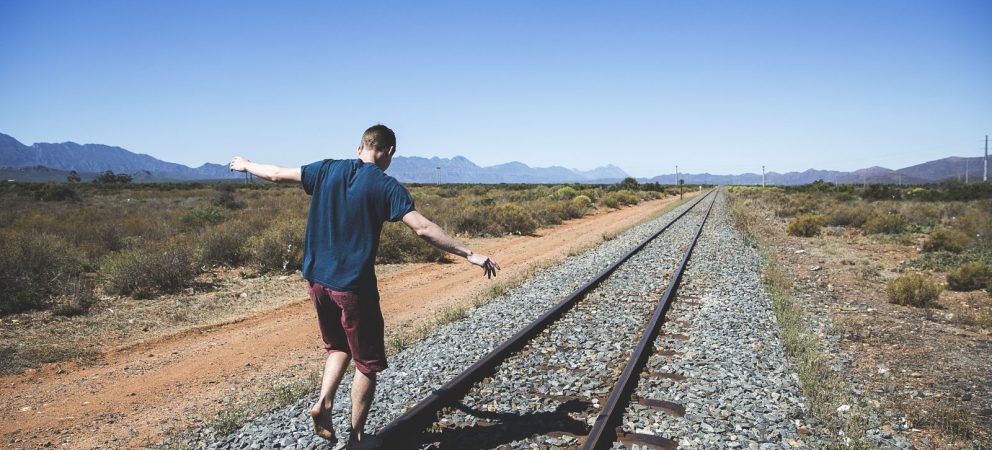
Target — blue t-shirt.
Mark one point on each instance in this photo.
(349, 201)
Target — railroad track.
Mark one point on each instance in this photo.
(561, 381)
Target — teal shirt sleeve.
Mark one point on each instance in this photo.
(310, 175)
(398, 199)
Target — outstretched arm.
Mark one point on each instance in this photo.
(266, 171)
(434, 235)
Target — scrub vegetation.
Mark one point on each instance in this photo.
(886, 310)
(64, 244)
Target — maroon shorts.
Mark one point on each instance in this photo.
(351, 323)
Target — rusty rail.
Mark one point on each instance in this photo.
(424, 413)
(603, 433)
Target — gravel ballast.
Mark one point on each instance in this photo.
(451, 348)
(738, 391)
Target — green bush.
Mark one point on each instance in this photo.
(912, 290)
(224, 244)
(581, 203)
(201, 217)
(399, 244)
(550, 213)
(513, 219)
(969, 277)
(280, 247)
(33, 266)
(885, 223)
(617, 199)
(849, 215)
(161, 267)
(946, 239)
(797, 205)
(566, 193)
(806, 225)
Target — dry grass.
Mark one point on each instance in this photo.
(145, 240)
(824, 388)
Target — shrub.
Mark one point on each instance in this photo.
(224, 244)
(109, 177)
(513, 219)
(912, 290)
(550, 213)
(845, 215)
(225, 198)
(969, 277)
(566, 193)
(806, 225)
(946, 239)
(581, 203)
(885, 223)
(618, 198)
(469, 220)
(32, 267)
(161, 267)
(201, 217)
(797, 205)
(398, 244)
(56, 193)
(280, 247)
(76, 299)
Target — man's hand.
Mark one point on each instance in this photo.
(488, 266)
(239, 164)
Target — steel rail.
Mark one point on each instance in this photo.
(424, 413)
(603, 434)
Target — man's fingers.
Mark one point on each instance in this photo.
(490, 268)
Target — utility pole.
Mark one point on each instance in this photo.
(438, 176)
(985, 173)
(762, 176)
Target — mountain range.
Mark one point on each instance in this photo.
(52, 162)
(35, 163)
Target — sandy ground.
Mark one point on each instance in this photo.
(132, 395)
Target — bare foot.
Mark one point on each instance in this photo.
(322, 424)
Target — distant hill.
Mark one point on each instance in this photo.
(51, 162)
(28, 163)
(415, 169)
(99, 158)
(928, 172)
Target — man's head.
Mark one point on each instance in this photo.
(377, 146)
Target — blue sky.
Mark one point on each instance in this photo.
(720, 87)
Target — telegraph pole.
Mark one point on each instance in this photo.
(762, 176)
(438, 176)
(678, 181)
(985, 173)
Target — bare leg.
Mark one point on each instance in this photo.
(362, 394)
(334, 369)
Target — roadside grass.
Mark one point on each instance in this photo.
(239, 411)
(276, 395)
(824, 389)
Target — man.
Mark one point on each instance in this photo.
(350, 200)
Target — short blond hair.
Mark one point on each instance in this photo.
(378, 137)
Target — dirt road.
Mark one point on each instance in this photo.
(131, 396)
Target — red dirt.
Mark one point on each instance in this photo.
(130, 396)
